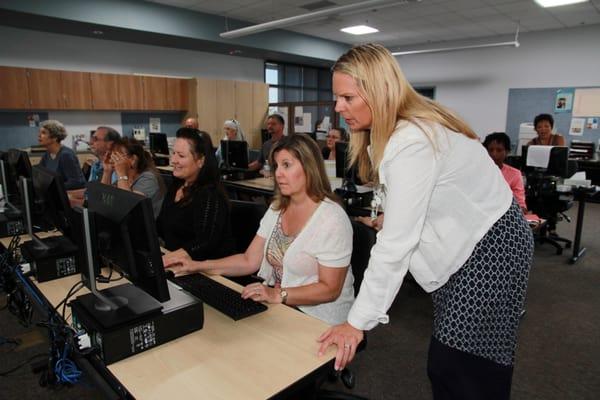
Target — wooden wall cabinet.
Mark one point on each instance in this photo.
(214, 101)
(131, 92)
(105, 91)
(14, 92)
(45, 90)
(42, 89)
(76, 89)
(155, 93)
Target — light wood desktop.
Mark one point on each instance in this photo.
(254, 358)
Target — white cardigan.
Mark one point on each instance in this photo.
(439, 204)
(326, 239)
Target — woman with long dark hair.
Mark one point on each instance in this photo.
(195, 215)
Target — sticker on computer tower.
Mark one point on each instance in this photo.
(65, 266)
(142, 337)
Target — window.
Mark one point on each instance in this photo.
(297, 83)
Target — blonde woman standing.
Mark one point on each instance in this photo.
(450, 220)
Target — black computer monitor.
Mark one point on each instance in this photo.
(343, 169)
(158, 143)
(234, 153)
(558, 163)
(15, 164)
(125, 236)
(51, 205)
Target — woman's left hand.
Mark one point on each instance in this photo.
(347, 338)
(260, 292)
(120, 163)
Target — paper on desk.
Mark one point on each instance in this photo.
(578, 175)
(538, 156)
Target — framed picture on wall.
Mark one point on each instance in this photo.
(563, 102)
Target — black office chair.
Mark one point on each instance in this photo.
(363, 239)
(544, 200)
(245, 219)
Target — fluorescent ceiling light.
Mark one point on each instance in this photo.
(556, 3)
(359, 30)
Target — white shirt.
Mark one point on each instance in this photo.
(326, 239)
(439, 204)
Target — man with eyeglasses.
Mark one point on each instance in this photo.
(102, 143)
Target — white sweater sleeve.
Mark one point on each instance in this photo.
(408, 171)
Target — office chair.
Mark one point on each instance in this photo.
(245, 219)
(543, 199)
(363, 239)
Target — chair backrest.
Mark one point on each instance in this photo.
(245, 219)
(363, 239)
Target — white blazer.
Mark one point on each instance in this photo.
(439, 203)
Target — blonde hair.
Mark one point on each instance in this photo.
(390, 98)
(305, 150)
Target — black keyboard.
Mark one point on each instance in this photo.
(219, 296)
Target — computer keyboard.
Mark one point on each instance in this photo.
(219, 296)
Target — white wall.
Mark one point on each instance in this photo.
(475, 83)
(26, 48)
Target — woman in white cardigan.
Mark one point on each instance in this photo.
(304, 243)
(450, 220)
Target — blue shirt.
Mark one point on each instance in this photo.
(66, 164)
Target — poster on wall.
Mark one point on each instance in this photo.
(592, 123)
(563, 101)
(577, 125)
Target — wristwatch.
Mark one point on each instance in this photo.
(283, 294)
(123, 178)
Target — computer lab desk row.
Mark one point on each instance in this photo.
(269, 355)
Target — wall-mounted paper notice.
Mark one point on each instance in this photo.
(577, 125)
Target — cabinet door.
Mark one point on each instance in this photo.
(105, 91)
(155, 93)
(206, 99)
(177, 94)
(243, 107)
(14, 93)
(225, 104)
(76, 89)
(45, 90)
(260, 107)
(131, 92)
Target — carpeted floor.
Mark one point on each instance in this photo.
(559, 342)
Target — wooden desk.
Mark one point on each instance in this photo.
(255, 358)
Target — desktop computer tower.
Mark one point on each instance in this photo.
(11, 225)
(58, 261)
(181, 315)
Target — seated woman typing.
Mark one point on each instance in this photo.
(304, 243)
(194, 218)
(498, 146)
(135, 170)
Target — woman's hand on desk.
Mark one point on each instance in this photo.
(347, 338)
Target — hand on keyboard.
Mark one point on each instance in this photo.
(259, 292)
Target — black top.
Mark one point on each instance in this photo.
(325, 151)
(66, 164)
(201, 227)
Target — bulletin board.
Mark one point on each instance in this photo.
(568, 105)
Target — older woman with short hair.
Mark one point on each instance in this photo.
(58, 158)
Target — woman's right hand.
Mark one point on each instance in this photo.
(107, 164)
(179, 262)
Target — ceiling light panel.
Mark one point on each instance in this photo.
(359, 30)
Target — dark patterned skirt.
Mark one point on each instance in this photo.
(478, 310)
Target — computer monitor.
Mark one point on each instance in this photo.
(125, 236)
(558, 163)
(343, 169)
(51, 205)
(15, 164)
(234, 153)
(159, 144)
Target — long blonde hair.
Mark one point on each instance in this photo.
(391, 98)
